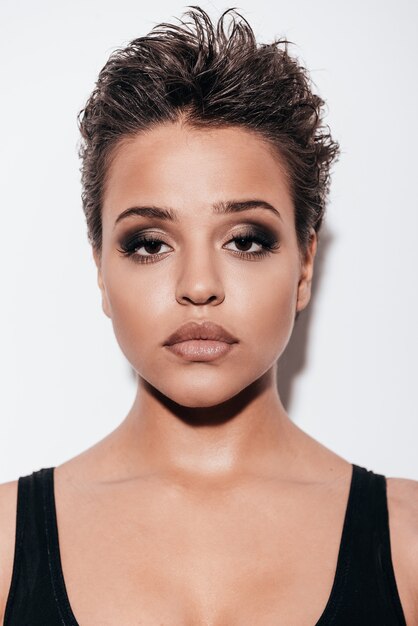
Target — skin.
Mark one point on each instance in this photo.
(207, 475)
(200, 276)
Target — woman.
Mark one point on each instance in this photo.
(205, 176)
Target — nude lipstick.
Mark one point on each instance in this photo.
(204, 341)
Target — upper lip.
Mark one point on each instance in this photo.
(203, 330)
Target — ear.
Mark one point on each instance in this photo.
(105, 302)
(307, 266)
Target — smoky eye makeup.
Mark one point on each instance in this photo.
(250, 241)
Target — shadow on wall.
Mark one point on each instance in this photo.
(294, 358)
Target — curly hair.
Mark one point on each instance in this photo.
(209, 75)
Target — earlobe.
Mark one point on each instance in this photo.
(105, 303)
(307, 266)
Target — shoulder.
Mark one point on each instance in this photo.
(402, 497)
(8, 504)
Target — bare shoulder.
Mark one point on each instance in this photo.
(8, 504)
(402, 496)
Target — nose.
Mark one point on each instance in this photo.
(199, 281)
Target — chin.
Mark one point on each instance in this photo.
(201, 391)
(203, 397)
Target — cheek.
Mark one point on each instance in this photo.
(270, 311)
(137, 304)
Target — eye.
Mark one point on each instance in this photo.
(263, 241)
(255, 241)
(151, 244)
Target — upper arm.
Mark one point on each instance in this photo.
(403, 525)
(8, 504)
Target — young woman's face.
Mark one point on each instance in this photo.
(240, 269)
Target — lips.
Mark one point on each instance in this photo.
(204, 330)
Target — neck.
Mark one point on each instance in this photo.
(250, 433)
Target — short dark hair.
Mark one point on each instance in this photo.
(209, 76)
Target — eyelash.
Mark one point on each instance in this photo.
(131, 244)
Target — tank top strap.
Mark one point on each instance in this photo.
(31, 600)
(367, 592)
(382, 548)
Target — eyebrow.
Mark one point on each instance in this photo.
(219, 208)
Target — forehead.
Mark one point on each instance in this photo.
(188, 169)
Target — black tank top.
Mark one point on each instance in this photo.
(364, 591)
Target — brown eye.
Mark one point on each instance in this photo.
(264, 241)
(151, 245)
(244, 242)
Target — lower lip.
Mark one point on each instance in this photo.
(200, 349)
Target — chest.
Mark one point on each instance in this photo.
(239, 558)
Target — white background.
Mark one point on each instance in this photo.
(349, 375)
